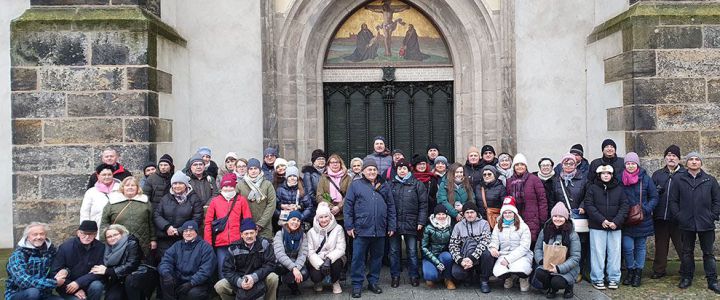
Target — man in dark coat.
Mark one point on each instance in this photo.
(411, 43)
(695, 203)
(268, 167)
(158, 184)
(583, 166)
(110, 157)
(78, 255)
(364, 46)
(186, 267)
(666, 227)
(609, 157)
(202, 183)
(251, 261)
(312, 173)
(488, 156)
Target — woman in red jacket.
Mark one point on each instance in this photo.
(218, 209)
(529, 194)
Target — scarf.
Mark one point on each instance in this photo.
(254, 194)
(114, 253)
(567, 177)
(180, 198)
(630, 178)
(438, 224)
(403, 179)
(544, 177)
(517, 186)
(291, 240)
(508, 223)
(423, 177)
(336, 178)
(105, 189)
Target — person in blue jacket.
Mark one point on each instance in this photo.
(77, 255)
(370, 216)
(28, 267)
(186, 267)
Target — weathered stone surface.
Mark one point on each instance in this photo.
(79, 131)
(82, 79)
(63, 186)
(50, 212)
(712, 166)
(65, 48)
(653, 144)
(108, 104)
(120, 48)
(153, 6)
(142, 78)
(164, 82)
(616, 119)
(676, 37)
(68, 2)
(664, 90)
(711, 37)
(23, 79)
(640, 117)
(688, 117)
(713, 90)
(710, 143)
(133, 156)
(26, 187)
(53, 159)
(148, 130)
(38, 105)
(688, 63)
(630, 64)
(26, 132)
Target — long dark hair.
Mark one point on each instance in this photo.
(550, 231)
(450, 184)
(517, 222)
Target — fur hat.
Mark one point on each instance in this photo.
(419, 158)
(179, 176)
(317, 153)
(604, 168)
(519, 159)
(560, 210)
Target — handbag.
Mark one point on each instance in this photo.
(635, 213)
(491, 213)
(553, 255)
(283, 218)
(580, 222)
(218, 225)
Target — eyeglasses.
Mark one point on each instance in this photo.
(198, 165)
(320, 158)
(242, 166)
(569, 164)
(87, 234)
(546, 165)
(488, 174)
(334, 162)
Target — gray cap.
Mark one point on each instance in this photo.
(693, 154)
(369, 162)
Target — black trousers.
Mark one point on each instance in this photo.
(169, 290)
(687, 257)
(549, 281)
(335, 269)
(136, 286)
(664, 232)
(287, 277)
(483, 269)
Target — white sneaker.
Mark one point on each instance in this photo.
(336, 288)
(318, 287)
(524, 284)
(509, 282)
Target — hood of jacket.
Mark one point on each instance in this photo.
(24, 244)
(117, 197)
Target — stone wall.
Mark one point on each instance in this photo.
(84, 78)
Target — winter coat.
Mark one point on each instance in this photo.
(531, 202)
(575, 191)
(605, 201)
(583, 167)
(324, 187)
(289, 195)
(570, 269)
(156, 186)
(268, 171)
(664, 183)
(259, 260)
(30, 267)
(370, 210)
(431, 186)
(311, 178)
(474, 173)
(649, 201)
(204, 187)
(549, 192)
(477, 232)
(262, 210)
(192, 262)
(695, 202)
(514, 246)
(382, 160)
(461, 196)
(94, 202)
(411, 205)
(436, 239)
(171, 213)
(218, 209)
(618, 164)
(119, 173)
(137, 217)
(78, 260)
(494, 194)
(129, 262)
(287, 260)
(334, 247)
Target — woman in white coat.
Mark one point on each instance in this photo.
(97, 196)
(510, 244)
(326, 249)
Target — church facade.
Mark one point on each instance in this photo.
(150, 77)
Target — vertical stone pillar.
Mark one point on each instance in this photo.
(83, 79)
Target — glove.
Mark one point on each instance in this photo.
(325, 268)
(184, 288)
(440, 267)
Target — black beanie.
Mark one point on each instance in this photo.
(402, 163)
(578, 149)
(608, 142)
(469, 206)
(433, 146)
(487, 148)
(440, 209)
(674, 149)
(166, 158)
(317, 153)
(418, 158)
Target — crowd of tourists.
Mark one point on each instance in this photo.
(244, 227)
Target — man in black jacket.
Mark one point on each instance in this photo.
(158, 184)
(666, 228)
(251, 261)
(695, 203)
(111, 157)
(78, 255)
(609, 157)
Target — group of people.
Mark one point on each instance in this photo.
(242, 228)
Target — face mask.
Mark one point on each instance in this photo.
(228, 195)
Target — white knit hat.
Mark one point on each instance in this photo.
(519, 159)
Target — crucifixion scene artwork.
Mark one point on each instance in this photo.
(387, 32)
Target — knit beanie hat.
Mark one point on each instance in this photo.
(253, 163)
(317, 153)
(166, 158)
(441, 159)
(608, 142)
(632, 157)
(440, 209)
(292, 170)
(474, 149)
(231, 155)
(487, 148)
(560, 210)
(190, 224)
(693, 154)
(491, 168)
(204, 151)
(504, 155)
(280, 162)
(519, 159)
(433, 146)
(398, 151)
(552, 163)
(674, 149)
(295, 214)
(247, 224)
(195, 158)
(323, 209)
(380, 137)
(577, 149)
(150, 164)
(568, 156)
(419, 158)
(180, 177)
(270, 151)
(369, 162)
(469, 206)
(402, 163)
(229, 179)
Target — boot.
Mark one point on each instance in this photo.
(629, 277)
(713, 286)
(395, 282)
(551, 293)
(636, 278)
(568, 294)
(449, 284)
(430, 284)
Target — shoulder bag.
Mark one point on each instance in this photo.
(635, 213)
(580, 222)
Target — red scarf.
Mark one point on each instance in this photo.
(630, 178)
(423, 177)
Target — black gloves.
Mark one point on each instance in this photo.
(325, 267)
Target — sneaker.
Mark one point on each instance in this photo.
(336, 288)
(599, 285)
(509, 282)
(318, 287)
(613, 285)
(524, 284)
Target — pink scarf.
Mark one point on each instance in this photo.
(630, 178)
(104, 188)
(336, 178)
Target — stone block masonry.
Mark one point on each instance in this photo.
(84, 78)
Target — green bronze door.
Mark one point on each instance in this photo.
(409, 114)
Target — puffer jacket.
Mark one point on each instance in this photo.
(219, 207)
(156, 186)
(171, 213)
(494, 194)
(649, 201)
(436, 239)
(129, 262)
(204, 187)
(289, 195)
(575, 191)
(431, 186)
(324, 187)
(570, 269)
(383, 161)
(664, 183)
(30, 267)
(262, 209)
(411, 204)
(94, 202)
(334, 247)
(514, 246)
(477, 232)
(260, 260)
(474, 173)
(370, 210)
(695, 202)
(288, 260)
(461, 196)
(531, 202)
(192, 262)
(605, 201)
(311, 178)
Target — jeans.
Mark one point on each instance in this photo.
(633, 249)
(605, 246)
(32, 294)
(362, 246)
(93, 292)
(221, 253)
(396, 254)
(430, 271)
(687, 259)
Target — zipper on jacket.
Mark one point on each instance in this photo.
(667, 198)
